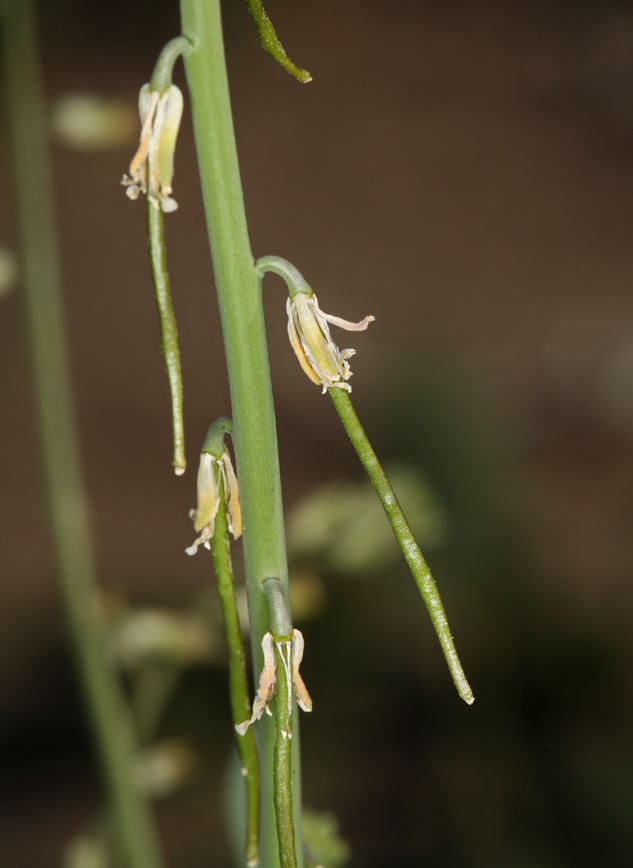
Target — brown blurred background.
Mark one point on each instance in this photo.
(463, 172)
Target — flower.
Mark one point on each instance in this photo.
(291, 653)
(152, 168)
(309, 335)
(209, 473)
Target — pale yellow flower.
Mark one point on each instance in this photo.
(152, 168)
(209, 473)
(309, 335)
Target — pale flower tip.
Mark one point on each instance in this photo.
(191, 550)
(252, 863)
(179, 471)
(168, 205)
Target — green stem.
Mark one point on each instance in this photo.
(295, 281)
(239, 297)
(284, 702)
(214, 440)
(282, 632)
(109, 715)
(238, 682)
(270, 41)
(406, 541)
(161, 77)
(280, 618)
(168, 329)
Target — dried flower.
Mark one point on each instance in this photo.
(209, 472)
(291, 652)
(309, 335)
(152, 169)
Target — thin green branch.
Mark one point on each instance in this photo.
(295, 281)
(284, 703)
(238, 681)
(406, 541)
(168, 329)
(214, 440)
(282, 633)
(163, 71)
(280, 618)
(109, 715)
(270, 41)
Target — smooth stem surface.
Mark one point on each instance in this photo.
(406, 541)
(214, 440)
(161, 77)
(282, 632)
(109, 716)
(168, 329)
(239, 297)
(238, 682)
(284, 714)
(295, 281)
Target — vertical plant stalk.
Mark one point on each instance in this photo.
(238, 682)
(406, 540)
(239, 297)
(283, 752)
(168, 329)
(108, 713)
(282, 632)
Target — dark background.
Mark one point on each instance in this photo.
(463, 172)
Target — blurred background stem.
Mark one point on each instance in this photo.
(239, 297)
(108, 713)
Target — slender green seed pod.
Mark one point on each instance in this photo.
(270, 41)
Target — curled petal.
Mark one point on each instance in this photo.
(301, 691)
(232, 495)
(267, 685)
(310, 338)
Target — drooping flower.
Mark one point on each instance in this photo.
(209, 473)
(310, 338)
(291, 653)
(152, 168)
